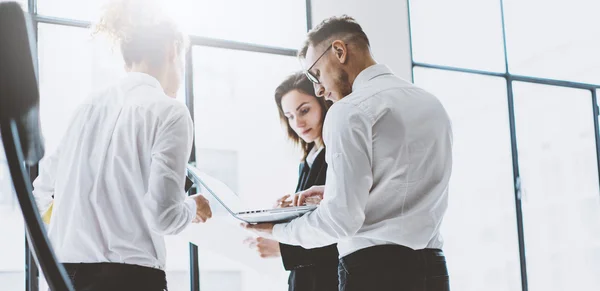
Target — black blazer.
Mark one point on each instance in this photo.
(295, 257)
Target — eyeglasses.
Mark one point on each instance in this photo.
(310, 75)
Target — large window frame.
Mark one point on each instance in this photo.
(510, 78)
(31, 270)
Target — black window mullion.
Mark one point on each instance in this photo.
(515, 157)
(189, 101)
(309, 22)
(410, 43)
(517, 182)
(31, 268)
(32, 272)
(596, 112)
(32, 6)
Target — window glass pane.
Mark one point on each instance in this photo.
(561, 205)
(240, 140)
(12, 228)
(72, 66)
(554, 39)
(479, 228)
(464, 33)
(178, 264)
(73, 9)
(267, 22)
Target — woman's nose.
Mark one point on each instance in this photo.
(299, 122)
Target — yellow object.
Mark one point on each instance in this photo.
(46, 216)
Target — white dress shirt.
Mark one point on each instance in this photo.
(118, 176)
(389, 156)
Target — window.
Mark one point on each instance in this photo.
(557, 153)
(526, 140)
(552, 40)
(240, 140)
(464, 33)
(73, 65)
(12, 244)
(265, 22)
(481, 208)
(178, 263)
(71, 9)
(235, 110)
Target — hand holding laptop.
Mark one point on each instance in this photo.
(231, 202)
(203, 211)
(311, 196)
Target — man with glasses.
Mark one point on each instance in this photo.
(389, 151)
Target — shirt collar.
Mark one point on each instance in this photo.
(134, 79)
(369, 74)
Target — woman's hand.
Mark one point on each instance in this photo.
(283, 202)
(266, 248)
(313, 194)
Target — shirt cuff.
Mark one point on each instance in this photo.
(190, 204)
(279, 233)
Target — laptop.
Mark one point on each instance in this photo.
(231, 202)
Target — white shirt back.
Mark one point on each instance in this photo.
(389, 156)
(118, 176)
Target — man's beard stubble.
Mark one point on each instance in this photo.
(343, 82)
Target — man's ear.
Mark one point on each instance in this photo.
(340, 50)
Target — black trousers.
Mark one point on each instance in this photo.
(314, 278)
(393, 267)
(115, 277)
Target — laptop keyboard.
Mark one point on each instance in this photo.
(254, 211)
(275, 210)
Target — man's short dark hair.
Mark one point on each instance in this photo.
(336, 26)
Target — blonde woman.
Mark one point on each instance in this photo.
(117, 179)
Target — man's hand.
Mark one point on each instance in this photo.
(261, 229)
(203, 212)
(266, 248)
(283, 202)
(313, 193)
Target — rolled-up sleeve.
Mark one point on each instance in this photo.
(348, 139)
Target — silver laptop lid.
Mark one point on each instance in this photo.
(217, 189)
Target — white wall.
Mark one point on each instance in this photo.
(384, 21)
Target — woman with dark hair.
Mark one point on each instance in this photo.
(303, 114)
